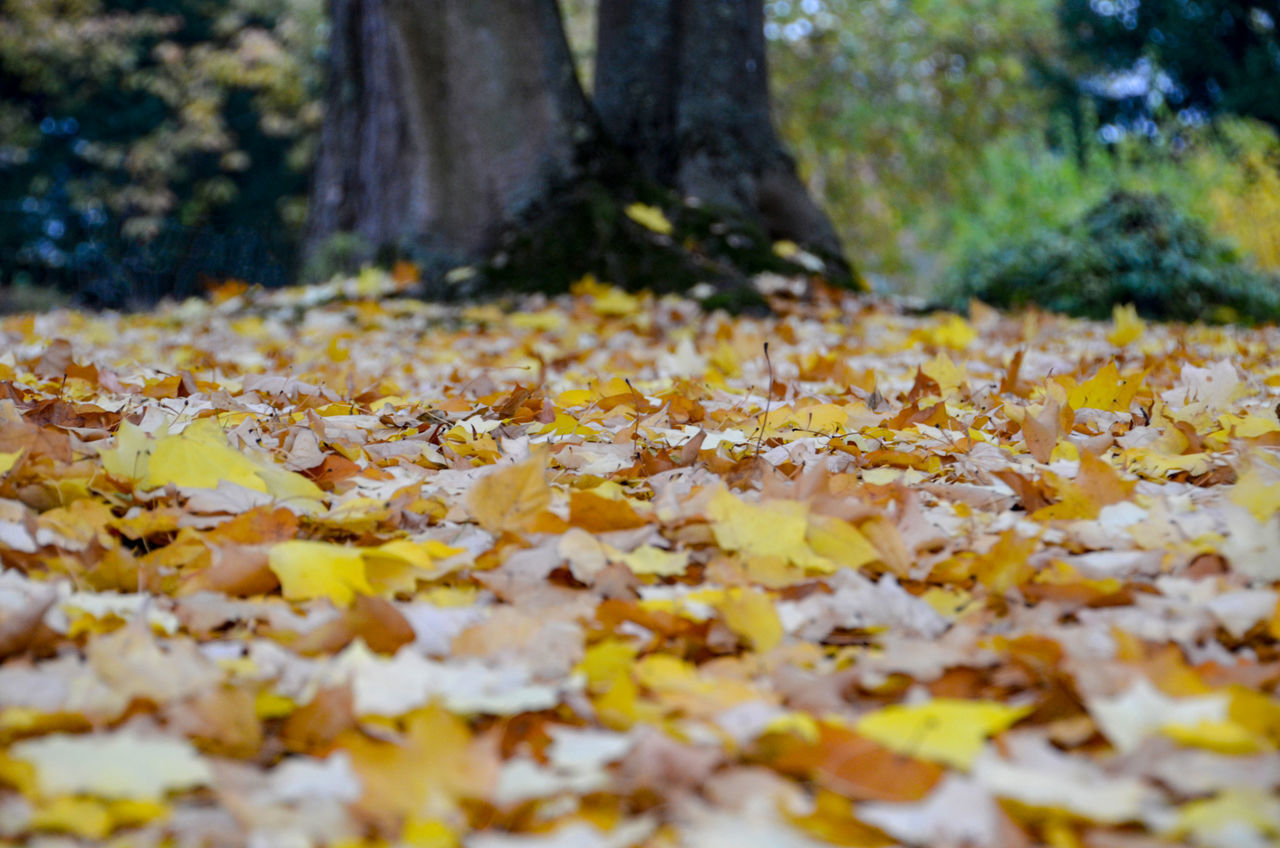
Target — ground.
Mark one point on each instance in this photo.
(332, 566)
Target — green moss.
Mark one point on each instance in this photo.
(1132, 248)
(585, 230)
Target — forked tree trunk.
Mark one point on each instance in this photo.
(457, 131)
(447, 119)
(682, 85)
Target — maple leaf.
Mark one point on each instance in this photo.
(424, 772)
(510, 498)
(309, 570)
(945, 730)
(122, 764)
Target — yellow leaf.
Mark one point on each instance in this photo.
(952, 331)
(751, 615)
(1225, 737)
(1256, 712)
(775, 529)
(429, 833)
(944, 730)
(84, 817)
(8, 460)
(949, 602)
(1106, 390)
(199, 457)
(647, 559)
(309, 570)
(801, 725)
(546, 320)
(614, 301)
(564, 425)
(817, 418)
(1128, 326)
(1159, 465)
(1249, 426)
(509, 499)
(1232, 812)
(1097, 484)
(606, 300)
(397, 566)
(291, 488)
(425, 773)
(839, 541)
(946, 373)
(128, 459)
(91, 818)
(606, 661)
(1257, 493)
(649, 217)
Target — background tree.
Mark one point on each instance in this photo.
(477, 140)
(1222, 56)
(444, 121)
(683, 88)
(144, 147)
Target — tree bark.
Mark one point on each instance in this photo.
(448, 119)
(682, 86)
(368, 179)
(457, 132)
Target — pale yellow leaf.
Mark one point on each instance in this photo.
(951, 731)
(510, 498)
(309, 570)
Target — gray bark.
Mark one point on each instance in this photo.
(368, 180)
(682, 86)
(447, 120)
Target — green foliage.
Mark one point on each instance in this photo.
(1130, 249)
(1222, 175)
(889, 106)
(144, 143)
(939, 130)
(1223, 55)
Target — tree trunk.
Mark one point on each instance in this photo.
(448, 119)
(682, 86)
(368, 180)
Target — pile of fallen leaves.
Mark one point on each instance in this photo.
(330, 567)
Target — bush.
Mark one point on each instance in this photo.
(1132, 248)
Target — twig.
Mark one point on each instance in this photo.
(768, 400)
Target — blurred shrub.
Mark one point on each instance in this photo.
(1244, 199)
(934, 131)
(1224, 175)
(1132, 248)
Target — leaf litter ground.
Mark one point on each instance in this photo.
(331, 567)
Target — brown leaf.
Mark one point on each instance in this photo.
(314, 727)
(221, 722)
(1041, 432)
(852, 765)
